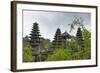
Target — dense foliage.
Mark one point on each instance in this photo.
(60, 54)
(27, 51)
(63, 47)
(45, 43)
(72, 51)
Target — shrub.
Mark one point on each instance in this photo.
(60, 54)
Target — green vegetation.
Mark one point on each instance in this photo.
(45, 43)
(63, 47)
(27, 53)
(60, 54)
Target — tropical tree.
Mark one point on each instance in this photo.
(72, 45)
(77, 22)
(79, 35)
(87, 44)
(27, 53)
(45, 43)
(60, 54)
(83, 39)
(26, 41)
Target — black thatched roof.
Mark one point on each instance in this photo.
(65, 35)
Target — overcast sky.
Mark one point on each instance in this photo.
(49, 21)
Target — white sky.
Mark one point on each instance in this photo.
(49, 21)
